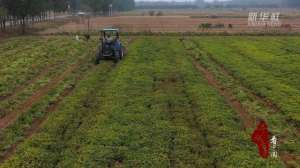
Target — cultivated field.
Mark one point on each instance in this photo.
(183, 21)
(172, 102)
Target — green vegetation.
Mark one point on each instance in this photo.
(263, 65)
(153, 109)
(46, 80)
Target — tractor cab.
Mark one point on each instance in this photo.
(110, 45)
(109, 35)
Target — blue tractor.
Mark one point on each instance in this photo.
(110, 47)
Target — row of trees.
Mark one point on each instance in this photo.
(103, 5)
(22, 12)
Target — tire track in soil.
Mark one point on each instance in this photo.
(158, 86)
(190, 120)
(194, 123)
(171, 151)
(87, 103)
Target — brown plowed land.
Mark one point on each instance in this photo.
(171, 24)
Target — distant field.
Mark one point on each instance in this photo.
(209, 12)
(183, 21)
(172, 102)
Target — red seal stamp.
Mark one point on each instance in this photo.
(260, 137)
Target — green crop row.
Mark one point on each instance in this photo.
(17, 131)
(196, 128)
(154, 109)
(60, 124)
(18, 44)
(19, 67)
(266, 83)
(56, 61)
(278, 126)
(279, 55)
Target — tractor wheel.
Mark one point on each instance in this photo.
(98, 57)
(121, 54)
(117, 57)
(124, 50)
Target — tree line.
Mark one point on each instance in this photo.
(102, 6)
(23, 12)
